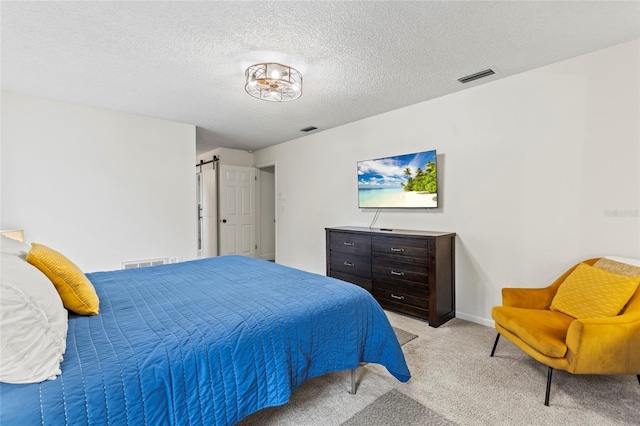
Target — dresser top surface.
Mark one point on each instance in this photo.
(387, 231)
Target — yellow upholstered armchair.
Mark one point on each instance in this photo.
(586, 322)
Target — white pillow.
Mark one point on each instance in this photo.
(33, 324)
(14, 247)
(627, 260)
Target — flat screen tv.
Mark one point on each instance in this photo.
(401, 181)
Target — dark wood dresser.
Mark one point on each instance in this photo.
(411, 272)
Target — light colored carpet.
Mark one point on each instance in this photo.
(396, 408)
(454, 376)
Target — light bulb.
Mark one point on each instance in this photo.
(275, 95)
(275, 74)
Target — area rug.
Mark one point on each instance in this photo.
(404, 336)
(396, 408)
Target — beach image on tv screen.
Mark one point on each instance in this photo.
(408, 180)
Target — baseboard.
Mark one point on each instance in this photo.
(477, 320)
(271, 256)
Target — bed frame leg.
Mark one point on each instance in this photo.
(352, 390)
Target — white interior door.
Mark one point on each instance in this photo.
(237, 213)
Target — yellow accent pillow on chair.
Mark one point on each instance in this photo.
(75, 289)
(590, 292)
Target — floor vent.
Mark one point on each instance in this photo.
(143, 263)
(472, 77)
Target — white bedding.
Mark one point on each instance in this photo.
(33, 322)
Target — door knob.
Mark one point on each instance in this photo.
(224, 220)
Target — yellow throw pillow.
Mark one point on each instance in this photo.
(75, 289)
(590, 292)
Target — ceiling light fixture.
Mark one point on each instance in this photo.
(273, 82)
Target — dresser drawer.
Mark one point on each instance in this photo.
(354, 279)
(411, 291)
(401, 247)
(398, 296)
(405, 308)
(345, 242)
(351, 264)
(387, 270)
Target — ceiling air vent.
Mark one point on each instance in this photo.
(481, 74)
(308, 129)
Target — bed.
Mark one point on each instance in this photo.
(208, 341)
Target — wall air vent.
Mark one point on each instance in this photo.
(308, 129)
(142, 263)
(472, 77)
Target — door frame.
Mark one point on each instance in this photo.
(259, 207)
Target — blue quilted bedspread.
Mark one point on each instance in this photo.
(204, 342)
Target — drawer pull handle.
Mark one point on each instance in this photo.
(399, 250)
(347, 243)
(400, 274)
(348, 263)
(393, 296)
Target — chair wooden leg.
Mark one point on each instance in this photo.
(496, 344)
(546, 398)
(638, 376)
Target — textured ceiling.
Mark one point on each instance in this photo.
(185, 61)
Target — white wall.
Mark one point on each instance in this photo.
(99, 186)
(234, 157)
(537, 172)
